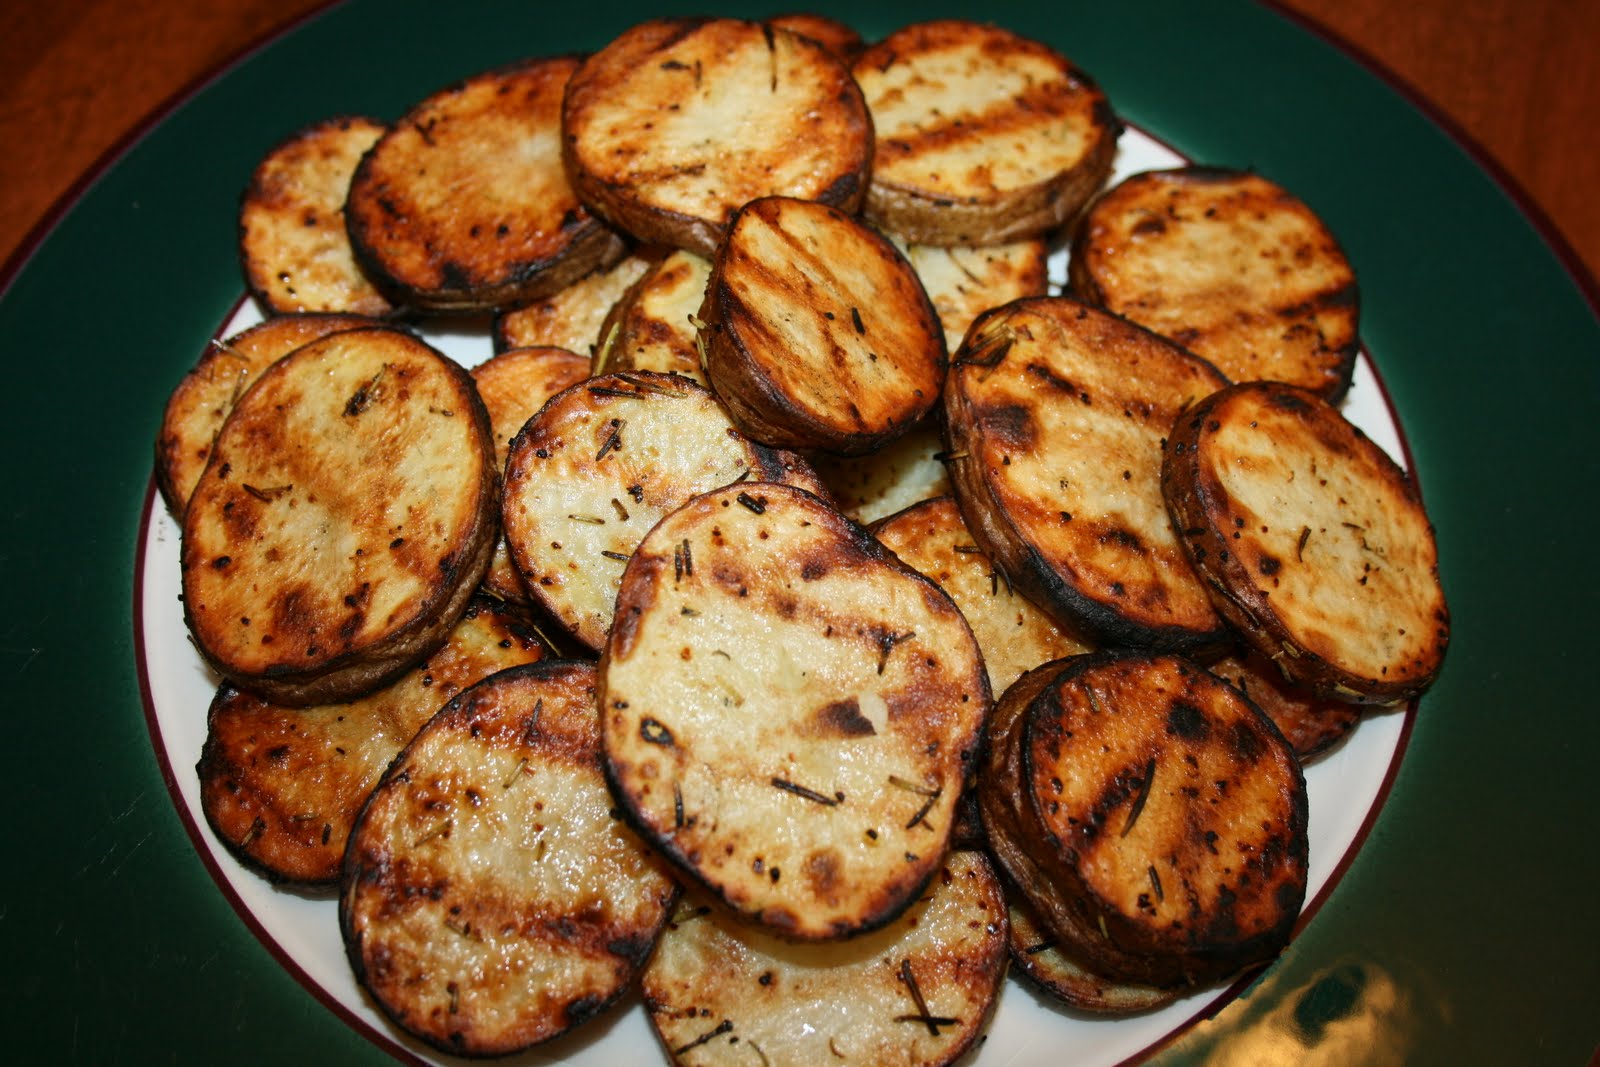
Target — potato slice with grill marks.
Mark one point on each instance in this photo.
(490, 898)
(292, 237)
(648, 118)
(1055, 413)
(817, 332)
(918, 992)
(344, 519)
(204, 398)
(789, 712)
(1039, 956)
(982, 136)
(572, 317)
(282, 786)
(594, 470)
(1014, 635)
(1231, 266)
(1154, 817)
(514, 385)
(464, 206)
(1312, 541)
(652, 326)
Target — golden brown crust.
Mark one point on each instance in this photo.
(1231, 266)
(1313, 543)
(464, 205)
(1055, 413)
(983, 136)
(572, 317)
(842, 40)
(648, 121)
(343, 521)
(292, 238)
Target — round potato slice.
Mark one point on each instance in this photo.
(490, 898)
(204, 398)
(464, 205)
(817, 332)
(344, 519)
(1151, 814)
(599, 464)
(282, 786)
(982, 136)
(1313, 542)
(1055, 413)
(572, 317)
(918, 992)
(789, 713)
(1231, 266)
(652, 326)
(292, 237)
(651, 119)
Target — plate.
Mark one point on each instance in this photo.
(1459, 932)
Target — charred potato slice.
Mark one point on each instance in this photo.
(647, 122)
(1312, 541)
(1039, 956)
(652, 326)
(343, 521)
(903, 472)
(599, 464)
(1153, 816)
(788, 712)
(514, 385)
(982, 136)
(490, 899)
(917, 992)
(204, 398)
(1231, 266)
(965, 282)
(281, 786)
(1311, 724)
(464, 205)
(817, 332)
(292, 237)
(1055, 413)
(1014, 635)
(572, 317)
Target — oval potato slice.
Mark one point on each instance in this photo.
(817, 332)
(788, 712)
(464, 205)
(918, 992)
(652, 326)
(982, 136)
(282, 786)
(1312, 541)
(572, 317)
(292, 237)
(649, 119)
(490, 898)
(1230, 265)
(1055, 413)
(344, 519)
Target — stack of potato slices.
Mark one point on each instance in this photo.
(750, 286)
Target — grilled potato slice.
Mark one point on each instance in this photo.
(982, 136)
(918, 992)
(1311, 724)
(572, 317)
(292, 238)
(652, 326)
(464, 206)
(514, 385)
(281, 786)
(817, 332)
(343, 521)
(1055, 413)
(1312, 541)
(843, 41)
(1231, 266)
(789, 713)
(965, 282)
(599, 464)
(490, 899)
(203, 399)
(649, 120)
(1151, 814)
(878, 484)
(1013, 634)
(1039, 957)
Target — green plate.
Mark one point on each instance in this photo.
(1461, 931)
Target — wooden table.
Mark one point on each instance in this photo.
(1516, 76)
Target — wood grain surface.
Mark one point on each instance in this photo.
(1517, 77)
